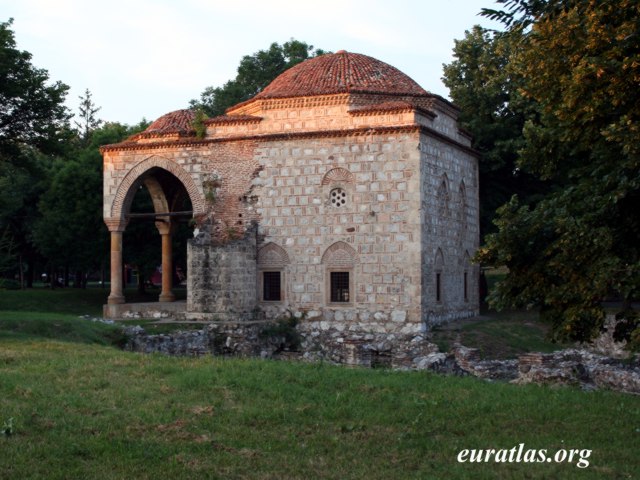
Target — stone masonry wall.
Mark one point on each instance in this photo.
(379, 222)
(222, 280)
(450, 229)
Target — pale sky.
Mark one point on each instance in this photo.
(145, 58)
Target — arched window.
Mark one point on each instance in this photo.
(463, 206)
(272, 260)
(339, 261)
(337, 185)
(443, 198)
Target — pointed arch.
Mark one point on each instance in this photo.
(340, 254)
(443, 196)
(126, 191)
(439, 259)
(272, 256)
(463, 205)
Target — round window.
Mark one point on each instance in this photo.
(338, 197)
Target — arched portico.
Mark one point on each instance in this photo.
(167, 184)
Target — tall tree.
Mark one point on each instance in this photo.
(87, 114)
(579, 61)
(493, 110)
(71, 211)
(254, 73)
(33, 126)
(31, 110)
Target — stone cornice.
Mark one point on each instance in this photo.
(291, 136)
(263, 137)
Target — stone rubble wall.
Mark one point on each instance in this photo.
(399, 351)
(222, 282)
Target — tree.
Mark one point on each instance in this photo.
(87, 114)
(578, 61)
(254, 73)
(33, 126)
(481, 83)
(70, 211)
(32, 113)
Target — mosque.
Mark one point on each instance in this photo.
(343, 192)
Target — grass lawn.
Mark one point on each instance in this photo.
(498, 335)
(83, 409)
(89, 411)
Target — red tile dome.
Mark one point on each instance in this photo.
(341, 72)
(179, 121)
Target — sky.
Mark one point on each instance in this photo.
(144, 58)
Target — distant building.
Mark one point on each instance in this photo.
(342, 190)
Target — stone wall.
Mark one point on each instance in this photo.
(379, 220)
(222, 280)
(450, 230)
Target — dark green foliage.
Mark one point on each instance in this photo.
(579, 63)
(9, 284)
(70, 209)
(31, 110)
(254, 73)
(494, 111)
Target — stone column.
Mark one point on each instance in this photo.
(164, 227)
(116, 228)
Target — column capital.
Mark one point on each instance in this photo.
(116, 224)
(164, 226)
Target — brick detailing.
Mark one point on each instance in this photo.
(337, 175)
(125, 192)
(227, 119)
(340, 255)
(272, 256)
(115, 224)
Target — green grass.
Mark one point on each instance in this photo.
(83, 409)
(92, 412)
(59, 326)
(498, 335)
(73, 301)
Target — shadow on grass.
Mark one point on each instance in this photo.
(498, 335)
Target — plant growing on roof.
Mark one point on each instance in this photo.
(198, 123)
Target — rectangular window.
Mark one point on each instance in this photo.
(438, 287)
(466, 286)
(339, 286)
(271, 287)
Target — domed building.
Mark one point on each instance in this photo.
(343, 192)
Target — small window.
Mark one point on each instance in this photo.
(438, 287)
(338, 197)
(339, 287)
(271, 286)
(466, 286)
